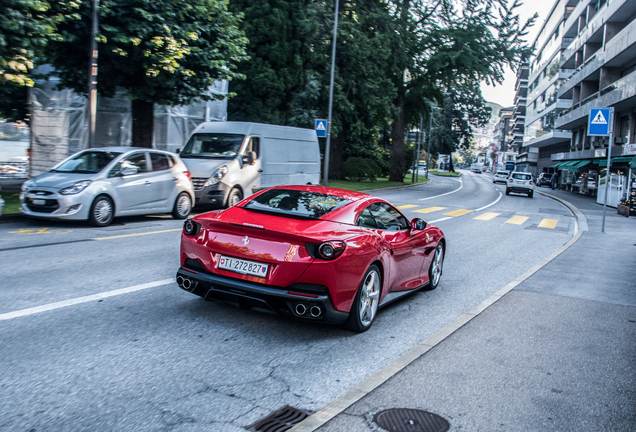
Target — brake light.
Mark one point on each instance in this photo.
(187, 173)
(331, 249)
(531, 182)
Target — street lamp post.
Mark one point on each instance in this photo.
(325, 180)
(430, 126)
(92, 79)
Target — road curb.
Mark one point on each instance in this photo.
(13, 217)
(338, 406)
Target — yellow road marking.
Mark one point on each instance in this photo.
(517, 220)
(548, 223)
(138, 234)
(25, 231)
(487, 216)
(429, 209)
(405, 206)
(458, 213)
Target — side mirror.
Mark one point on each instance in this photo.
(249, 158)
(129, 171)
(418, 224)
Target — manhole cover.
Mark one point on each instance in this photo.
(279, 421)
(410, 420)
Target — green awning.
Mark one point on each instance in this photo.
(556, 165)
(583, 163)
(569, 164)
(632, 164)
(619, 159)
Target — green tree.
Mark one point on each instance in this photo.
(281, 34)
(440, 45)
(362, 90)
(462, 110)
(158, 51)
(26, 26)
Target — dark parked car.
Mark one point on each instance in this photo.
(544, 179)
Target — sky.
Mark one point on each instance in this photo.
(504, 94)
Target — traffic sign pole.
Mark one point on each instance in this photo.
(325, 181)
(609, 165)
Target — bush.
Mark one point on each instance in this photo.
(359, 169)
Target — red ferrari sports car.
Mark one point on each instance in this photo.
(310, 252)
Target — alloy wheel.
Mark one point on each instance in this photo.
(184, 205)
(436, 266)
(103, 211)
(369, 298)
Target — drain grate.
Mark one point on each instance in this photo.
(410, 420)
(280, 420)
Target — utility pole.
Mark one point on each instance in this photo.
(325, 181)
(92, 78)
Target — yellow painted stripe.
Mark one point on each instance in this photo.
(405, 206)
(548, 223)
(517, 220)
(458, 213)
(487, 216)
(138, 234)
(429, 209)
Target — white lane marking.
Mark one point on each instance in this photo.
(442, 219)
(491, 204)
(461, 185)
(79, 300)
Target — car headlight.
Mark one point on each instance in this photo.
(26, 186)
(76, 188)
(217, 176)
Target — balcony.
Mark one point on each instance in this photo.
(549, 138)
(616, 95)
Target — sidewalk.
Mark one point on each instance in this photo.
(557, 352)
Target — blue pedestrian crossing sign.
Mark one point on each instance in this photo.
(599, 122)
(321, 128)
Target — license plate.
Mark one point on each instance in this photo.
(39, 202)
(519, 181)
(243, 266)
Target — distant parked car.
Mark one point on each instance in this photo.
(520, 182)
(500, 177)
(544, 179)
(100, 184)
(476, 170)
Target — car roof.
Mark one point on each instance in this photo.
(123, 149)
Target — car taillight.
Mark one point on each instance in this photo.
(187, 173)
(191, 228)
(331, 249)
(531, 182)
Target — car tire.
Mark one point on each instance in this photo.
(102, 212)
(435, 270)
(530, 194)
(365, 305)
(234, 197)
(182, 206)
(507, 191)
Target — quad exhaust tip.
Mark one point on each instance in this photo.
(301, 309)
(315, 311)
(185, 283)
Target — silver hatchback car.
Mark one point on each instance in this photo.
(102, 183)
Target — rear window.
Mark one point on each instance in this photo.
(504, 173)
(521, 176)
(296, 203)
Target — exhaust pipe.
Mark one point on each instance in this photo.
(180, 281)
(301, 309)
(187, 283)
(315, 311)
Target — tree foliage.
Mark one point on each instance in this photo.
(158, 51)
(446, 43)
(26, 26)
(282, 35)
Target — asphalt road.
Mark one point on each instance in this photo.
(95, 335)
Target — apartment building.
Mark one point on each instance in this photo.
(601, 62)
(584, 58)
(526, 157)
(541, 136)
(504, 158)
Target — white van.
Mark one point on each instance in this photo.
(232, 160)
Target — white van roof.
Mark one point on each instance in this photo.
(265, 130)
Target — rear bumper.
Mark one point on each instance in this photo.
(279, 300)
(519, 189)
